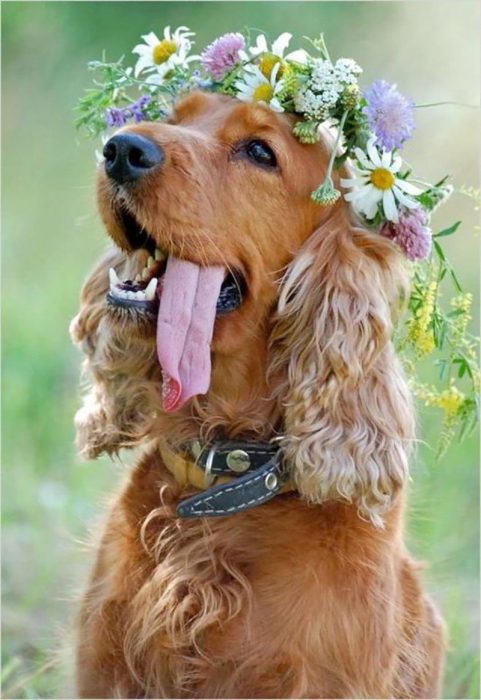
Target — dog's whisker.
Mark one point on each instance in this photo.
(201, 249)
(223, 258)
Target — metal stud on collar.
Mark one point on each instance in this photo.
(238, 461)
(271, 482)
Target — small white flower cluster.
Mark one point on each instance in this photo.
(325, 85)
(347, 71)
(313, 106)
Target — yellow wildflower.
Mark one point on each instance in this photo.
(424, 342)
(462, 303)
(420, 335)
(450, 400)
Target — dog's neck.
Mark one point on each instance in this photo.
(240, 384)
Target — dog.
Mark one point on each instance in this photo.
(311, 593)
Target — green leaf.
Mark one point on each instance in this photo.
(426, 200)
(442, 181)
(442, 256)
(455, 313)
(443, 365)
(442, 336)
(439, 251)
(340, 160)
(448, 231)
(454, 277)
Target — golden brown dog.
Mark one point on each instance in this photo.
(312, 594)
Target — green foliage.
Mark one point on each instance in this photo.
(429, 327)
(113, 89)
(433, 329)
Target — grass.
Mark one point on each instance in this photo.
(52, 236)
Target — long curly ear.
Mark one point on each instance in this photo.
(120, 370)
(348, 415)
(84, 327)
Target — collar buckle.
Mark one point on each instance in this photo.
(209, 477)
(196, 450)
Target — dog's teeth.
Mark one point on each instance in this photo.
(150, 289)
(114, 280)
(130, 295)
(150, 261)
(158, 254)
(145, 274)
(138, 278)
(140, 295)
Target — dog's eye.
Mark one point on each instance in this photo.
(261, 153)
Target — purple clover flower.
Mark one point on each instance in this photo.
(115, 116)
(222, 55)
(411, 233)
(390, 115)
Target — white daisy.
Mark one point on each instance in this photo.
(269, 57)
(255, 87)
(376, 182)
(161, 56)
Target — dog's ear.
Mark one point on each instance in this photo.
(348, 414)
(120, 370)
(84, 327)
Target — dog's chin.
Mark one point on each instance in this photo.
(136, 298)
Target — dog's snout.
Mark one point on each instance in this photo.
(129, 157)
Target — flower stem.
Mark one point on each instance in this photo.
(448, 102)
(334, 150)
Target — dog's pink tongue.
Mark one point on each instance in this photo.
(185, 326)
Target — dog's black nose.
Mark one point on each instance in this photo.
(129, 157)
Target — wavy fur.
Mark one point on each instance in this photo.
(314, 593)
(348, 413)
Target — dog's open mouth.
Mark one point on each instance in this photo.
(142, 293)
(186, 298)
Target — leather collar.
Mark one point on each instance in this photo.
(233, 475)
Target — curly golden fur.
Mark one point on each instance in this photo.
(312, 594)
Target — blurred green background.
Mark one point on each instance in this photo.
(52, 236)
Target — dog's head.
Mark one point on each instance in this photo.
(221, 184)
(220, 247)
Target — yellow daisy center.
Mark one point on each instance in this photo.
(264, 93)
(163, 51)
(267, 63)
(382, 178)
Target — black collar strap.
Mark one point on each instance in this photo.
(251, 474)
(231, 458)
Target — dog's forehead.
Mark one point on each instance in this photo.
(224, 115)
(201, 106)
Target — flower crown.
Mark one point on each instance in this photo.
(372, 125)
